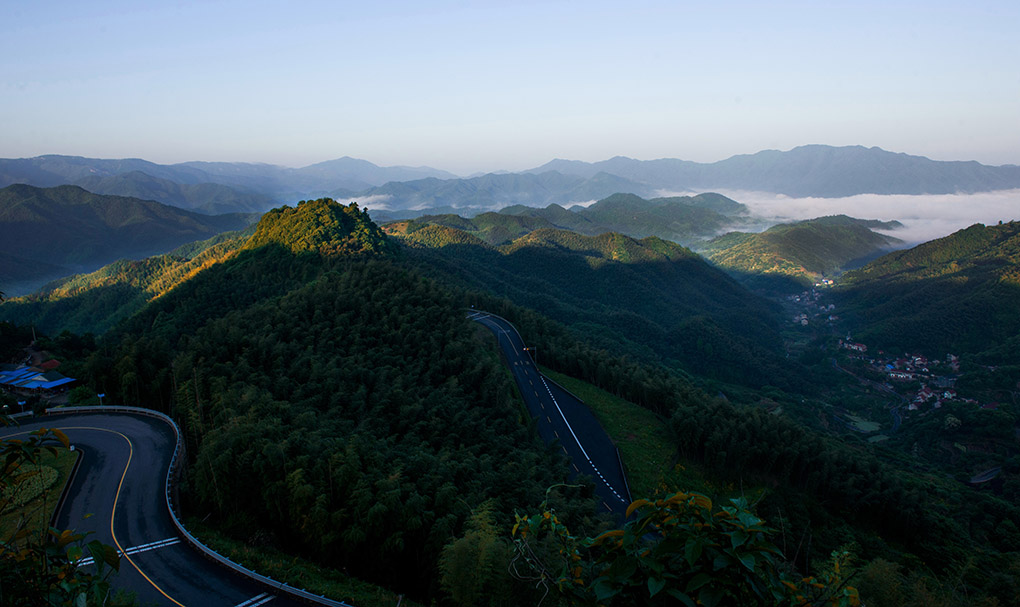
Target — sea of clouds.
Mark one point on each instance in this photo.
(925, 217)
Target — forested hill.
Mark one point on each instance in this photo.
(802, 251)
(651, 298)
(681, 219)
(97, 301)
(72, 228)
(958, 294)
(492, 228)
(336, 403)
(320, 226)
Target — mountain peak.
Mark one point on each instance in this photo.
(322, 226)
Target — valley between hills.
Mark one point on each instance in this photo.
(806, 412)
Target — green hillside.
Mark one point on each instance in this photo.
(558, 217)
(320, 226)
(69, 227)
(680, 219)
(492, 228)
(958, 294)
(337, 405)
(97, 301)
(804, 251)
(336, 401)
(650, 297)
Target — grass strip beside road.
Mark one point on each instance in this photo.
(295, 571)
(36, 514)
(642, 438)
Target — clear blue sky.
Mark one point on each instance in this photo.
(478, 86)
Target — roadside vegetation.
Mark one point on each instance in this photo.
(641, 436)
(294, 570)
(37, 562)
(30, 501)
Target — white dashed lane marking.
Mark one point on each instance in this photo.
(135, 550)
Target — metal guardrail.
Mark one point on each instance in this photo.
(171, 482)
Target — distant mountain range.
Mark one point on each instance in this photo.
(812, 170)
(401, 192)
(492, 191)
(46, 233)
(211, 187)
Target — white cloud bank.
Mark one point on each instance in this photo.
(924, 217)
(378, 202)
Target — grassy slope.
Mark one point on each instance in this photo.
(647, 450)
(641, 436)
(40, 510)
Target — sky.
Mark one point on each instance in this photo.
(484, 86)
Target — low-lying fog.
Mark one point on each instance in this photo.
(924, 217)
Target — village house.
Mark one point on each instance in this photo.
(856, 347)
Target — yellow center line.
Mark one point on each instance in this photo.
(116, 498)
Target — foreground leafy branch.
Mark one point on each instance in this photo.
(39, 567)
(677, 550)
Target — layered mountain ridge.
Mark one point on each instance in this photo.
(814, 170)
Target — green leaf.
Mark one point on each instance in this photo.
(623, 568)
(103, 553)
(692, 552)
(698, 581)
(655, 585)
(710, 597)
(680, 596)
(737, 538)
(747, 560)
(748, 520)
(604, 590)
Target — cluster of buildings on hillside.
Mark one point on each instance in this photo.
(808, 300)
(937, 378)
(42, 379)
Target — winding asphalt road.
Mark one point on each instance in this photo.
(562, 417)
(118, 494)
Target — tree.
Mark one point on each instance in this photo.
(677, 550)
(474, 566)
(40, 568)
